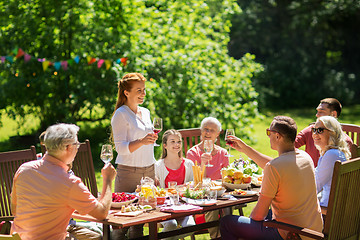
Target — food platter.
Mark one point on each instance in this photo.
(236, 186)
(199, 202)
(120, 204)
(247, 193)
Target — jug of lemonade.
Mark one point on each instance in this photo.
(147, 195)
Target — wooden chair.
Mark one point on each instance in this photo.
(191, 137)
(343, 213)
(9, 163)
(83, 166)
(14, 236)
(353, 131)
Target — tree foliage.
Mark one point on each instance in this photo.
(309, 49)
(180, 45)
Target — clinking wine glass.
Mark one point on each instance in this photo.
(229, 132)
(157, 127)
(208, 147)
(106, 153)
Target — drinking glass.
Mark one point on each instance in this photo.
(229, 132)
(174, 195)
(208, 147)
(212, 195)
(106, 153)
(157, 127)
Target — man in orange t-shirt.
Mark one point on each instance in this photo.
(288, 186)
(44, 195)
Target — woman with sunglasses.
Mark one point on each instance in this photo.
(330, 140)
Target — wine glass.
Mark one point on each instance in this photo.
(106, 153)
(208, 147)
(229, 132)
(157, 127)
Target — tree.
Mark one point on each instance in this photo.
(309, 50)
(181, 45)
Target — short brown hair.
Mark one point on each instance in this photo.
(286, 126)
(334, 105)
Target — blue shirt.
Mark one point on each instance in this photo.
(324, 172)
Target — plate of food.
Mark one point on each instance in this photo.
(219, 190)
(199, 202)
(256, 180)
(233, 186)
(243, 193)
(120, 199)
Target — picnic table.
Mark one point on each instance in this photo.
(155, 216)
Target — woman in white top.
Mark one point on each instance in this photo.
(331, 142)
(133, 136)
(173, 167)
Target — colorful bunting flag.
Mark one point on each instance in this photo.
(45, 65)
(100, 63)
(18, 53)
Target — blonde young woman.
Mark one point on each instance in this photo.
(134, 140)
(331, 142)
(174, 167)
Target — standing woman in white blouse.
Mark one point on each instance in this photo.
(133, 136)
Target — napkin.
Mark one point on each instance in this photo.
(180, 208)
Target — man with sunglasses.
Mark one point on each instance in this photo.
(44, 195)
(327, 107)
(288, 186)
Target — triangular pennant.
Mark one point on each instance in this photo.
(15, 51)
(20, 53)
(64, 65)
(107, 64)
(71, 62)
(57, 65)
(77, 59)
(100, 63)
(92, 60)
(124, 61)
(41, 59)
(45, 65)
(118, 61)
(10, 59)
(27, 57)
(2, 59)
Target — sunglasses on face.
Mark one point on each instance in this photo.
(268, 131)
(319, 130)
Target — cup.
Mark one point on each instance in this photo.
(172, 185)
(174, 199)
(212, 195)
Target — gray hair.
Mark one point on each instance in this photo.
(337, 138)
(210, 120)
(60, 135)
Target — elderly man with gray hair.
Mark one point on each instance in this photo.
(44, 195)
(210, 130)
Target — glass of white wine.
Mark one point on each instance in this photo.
(208, 147)
(106, 153)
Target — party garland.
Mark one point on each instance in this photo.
(18, 52)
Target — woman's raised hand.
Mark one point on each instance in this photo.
(150, 138)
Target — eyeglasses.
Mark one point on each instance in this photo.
(77, 144)
(319, 130)
(268, 131)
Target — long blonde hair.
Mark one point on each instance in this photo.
(165, 137)
(337, 138)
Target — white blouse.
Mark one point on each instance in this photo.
(127, 127)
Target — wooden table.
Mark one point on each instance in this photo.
(155, 216)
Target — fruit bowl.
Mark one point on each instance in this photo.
(122, 199)
(236, 186)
